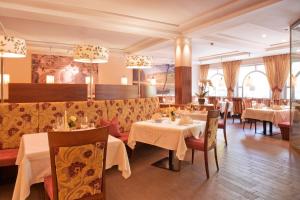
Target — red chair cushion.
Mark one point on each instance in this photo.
(221, 124)
(113, 126)
(194, 143)
(48, 186)
(284, 124)
(8, 157)
(124, 137)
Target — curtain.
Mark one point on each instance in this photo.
(203, 72)
(231, 72)
(277, 71)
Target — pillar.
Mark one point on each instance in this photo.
(183, 70)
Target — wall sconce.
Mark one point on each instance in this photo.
(152, 81)
(49, 79)
(88, 80)
(124, 80)
(6, 79)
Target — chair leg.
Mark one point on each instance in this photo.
(255, 127)
(244, 123)
(251, 125)
(225, 136)
(216, 157)
(206, 164)
(193, 152)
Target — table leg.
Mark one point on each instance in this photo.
(271, 128)
(265, 127)
(169, 163)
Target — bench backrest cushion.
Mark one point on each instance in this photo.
(17, 119)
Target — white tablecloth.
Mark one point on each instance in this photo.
(222, 105)
(267, 114)
(167, 134)
(34, 161)
(195, 115)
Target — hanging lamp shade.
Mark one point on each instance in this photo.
(91, 54)
(139, 62)
(12, 47)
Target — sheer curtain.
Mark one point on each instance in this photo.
(277, 71)
(231, 73)
(203, 72)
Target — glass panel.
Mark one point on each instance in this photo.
(244, 70)
(219, 87)
(295, 85)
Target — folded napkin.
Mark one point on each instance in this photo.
(185, 120)
(156, 116)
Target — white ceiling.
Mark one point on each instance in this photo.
(150, 26)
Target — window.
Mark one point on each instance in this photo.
(295, 81)
(217, 78)
(253, 82)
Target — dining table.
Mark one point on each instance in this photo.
(194, 114)
(33, 161)
(166, 134)
(267, 115)
(222, 105)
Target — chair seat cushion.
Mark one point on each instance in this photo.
(124, 136)
(194, 143)
(48, 186)
(221, 124)
(284, 124)
(8, 157)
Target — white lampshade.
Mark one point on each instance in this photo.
(90, 54)
(49, 79)
(6, 79)
(12, 47)
(88, 80)
(152, 81)
(124, 80)
(139, 62)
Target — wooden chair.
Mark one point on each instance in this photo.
(237, 109)
(222, 123)
(77, 164)
(208, 142)
(247, 103)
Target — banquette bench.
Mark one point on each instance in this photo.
(17, 119)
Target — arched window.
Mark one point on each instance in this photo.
(219, 87)
(255, 84)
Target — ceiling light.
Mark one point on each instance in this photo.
(284, 40)
(91, 54)
(139, 62)
(263, 35)
(298, 50)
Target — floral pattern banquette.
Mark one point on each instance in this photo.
(23, 118)
(79, 170)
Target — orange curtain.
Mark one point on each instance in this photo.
(277, 71)
(231, 72)
(203, 72)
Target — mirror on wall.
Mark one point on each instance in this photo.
(295, 85)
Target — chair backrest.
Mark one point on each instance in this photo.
(237, 105)
(211, 129)
(226, 112)
(78, 163)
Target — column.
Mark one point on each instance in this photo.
(183, 70)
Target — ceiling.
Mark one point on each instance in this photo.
(219, 29)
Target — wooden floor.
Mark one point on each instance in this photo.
(251, 167)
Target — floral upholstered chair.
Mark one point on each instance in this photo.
(208, 142)
(77, 164)
(223, 123)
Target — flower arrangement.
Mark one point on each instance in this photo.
(72, 121)
(203, 88)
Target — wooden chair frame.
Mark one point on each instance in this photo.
(77, 138)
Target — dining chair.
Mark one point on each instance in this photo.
(77, 164)
(208, 142)
(247, 103)
(237, 109)
(222, 123)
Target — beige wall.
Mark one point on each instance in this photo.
(19, 69)
(111, 72)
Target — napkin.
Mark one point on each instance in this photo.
(185, 120)
(156, 116)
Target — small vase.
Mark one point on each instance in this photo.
(173, 118)
(201, 101)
